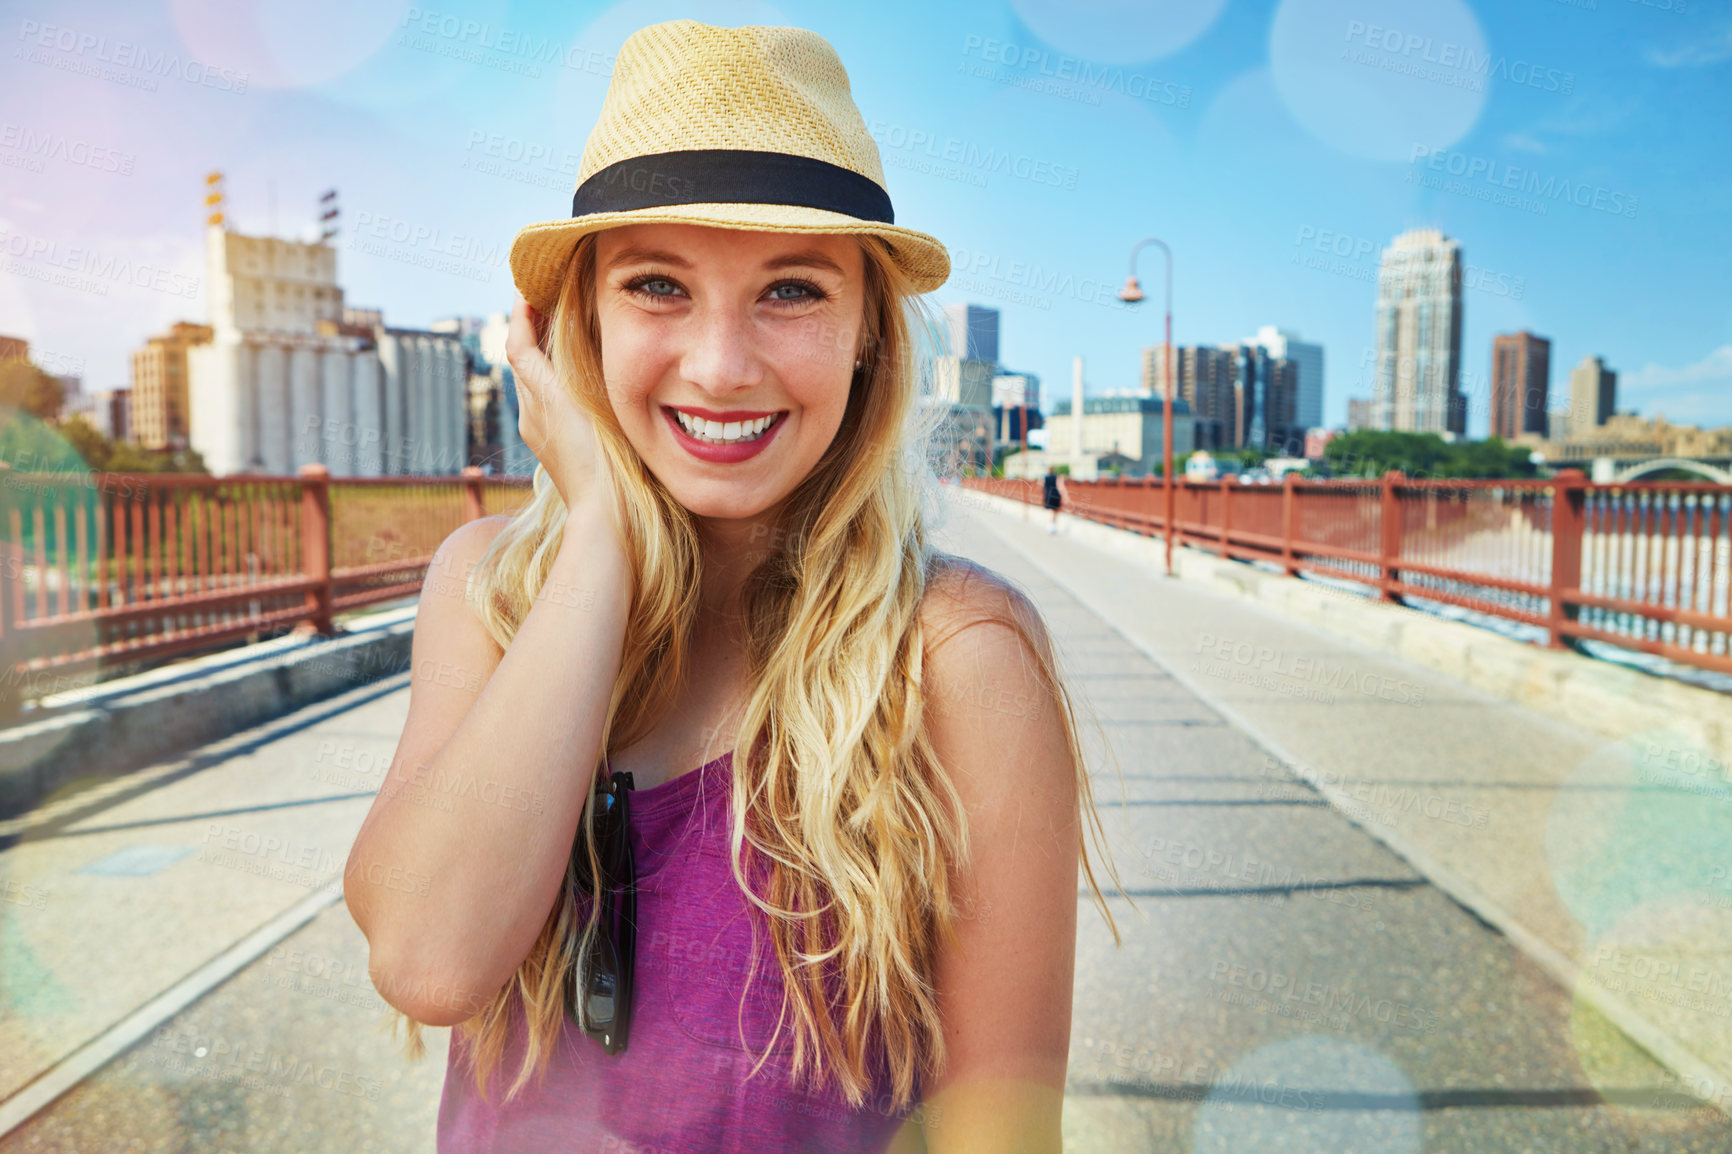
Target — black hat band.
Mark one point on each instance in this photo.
(731, 176)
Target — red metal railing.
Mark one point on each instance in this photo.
(1643, 566)
(103, 572)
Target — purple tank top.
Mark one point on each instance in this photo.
(681, 1083)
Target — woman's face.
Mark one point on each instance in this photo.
(752, 336)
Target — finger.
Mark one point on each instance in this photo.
(524, 351)
(520, 334)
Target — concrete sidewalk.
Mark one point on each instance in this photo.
(1605, 860)
(217, 876)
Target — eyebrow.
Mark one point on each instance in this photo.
(809, 258)
(647, 256)
(805, 258)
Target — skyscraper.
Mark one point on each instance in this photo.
(1204, 379)
(960, 378)
(973, 332)
(1307, 361)
(1593, 395)
(1520, 384)
(1265, 389)
(1417, 387)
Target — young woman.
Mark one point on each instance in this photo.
(834, 905)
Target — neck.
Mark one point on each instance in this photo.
(732, 548)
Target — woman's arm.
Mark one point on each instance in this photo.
(1005, 990)
(462, 856)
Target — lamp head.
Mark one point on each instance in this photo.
(1132, 292)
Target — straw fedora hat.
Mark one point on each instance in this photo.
(749, 128)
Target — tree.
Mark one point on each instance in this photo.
(1372, 452)
(126, 457)
(87, 441)
(29, 445)
(74, 445)
(28, 389)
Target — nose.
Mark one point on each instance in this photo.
(722, 356)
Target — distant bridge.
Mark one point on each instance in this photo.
(1605, 470)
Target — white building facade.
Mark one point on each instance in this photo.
(1417, 387)
(289, 380)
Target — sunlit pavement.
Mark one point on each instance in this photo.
(1286, 981)
(292, 1053)
(1292, 984)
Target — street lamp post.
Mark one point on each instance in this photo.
(1131, 294)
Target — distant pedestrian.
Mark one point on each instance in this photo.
(1052, 499)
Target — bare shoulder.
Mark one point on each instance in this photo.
(989, 676)
(965, 599)
(452, 652)
(469, 542)
(444, 613)
(459, 554)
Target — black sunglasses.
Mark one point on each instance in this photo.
(598, 994)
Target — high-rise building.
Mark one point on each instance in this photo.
(159, 386)
(963, 381)
(1265, 395)
(1307, 361)
(972, 332)
(1417, 382)
(111, 414)
(1520, 384)
(959, 379)
(1361, 414)
(1593, 396)
(292, 377)
(1204, 379)
(963, 386)
(1240, 395)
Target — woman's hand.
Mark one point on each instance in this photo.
(553, 425)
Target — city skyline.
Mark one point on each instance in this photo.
(991, 139)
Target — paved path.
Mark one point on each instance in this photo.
(1286, 983)
(1285, 956)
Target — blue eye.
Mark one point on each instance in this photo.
(657, 286)
(796, 291)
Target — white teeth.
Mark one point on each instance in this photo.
(715, 432)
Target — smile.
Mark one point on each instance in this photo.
(724, 432)
(737, 436)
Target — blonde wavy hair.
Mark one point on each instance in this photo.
(848, 816)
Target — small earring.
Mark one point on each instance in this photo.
(858, 364)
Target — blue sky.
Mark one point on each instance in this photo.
(1577, 150)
